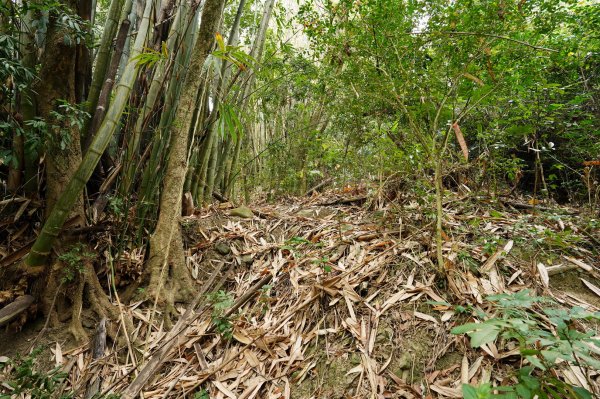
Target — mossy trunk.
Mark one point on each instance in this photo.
(169, 281)
(57, 83)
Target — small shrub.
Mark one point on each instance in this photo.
(221, 301)
(519, 318)
(73, 260)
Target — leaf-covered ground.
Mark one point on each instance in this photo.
(337, 296)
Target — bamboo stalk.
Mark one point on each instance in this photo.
(104, 51)
(43, 245)
(151, 176)
(156, 86)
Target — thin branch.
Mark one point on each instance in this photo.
(510, 39)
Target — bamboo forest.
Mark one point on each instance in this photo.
(299, 199)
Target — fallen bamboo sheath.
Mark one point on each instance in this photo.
(160, 357)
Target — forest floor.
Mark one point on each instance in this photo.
(337, 296)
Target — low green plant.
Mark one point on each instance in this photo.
(560, 239)
(21, 377)
(66, 116)
(468, 261)
(221, 302)
(202, 394)
(55, 131)
(324, 263)
(116, 205)
(74, 261)
(490, 245)
(265, 297)
(293, 244)
(545, 336)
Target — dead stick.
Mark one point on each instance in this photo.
(167, 342)
(159, 357)
(13, 309)
(318, 186)
(99, 344)
(344, 201)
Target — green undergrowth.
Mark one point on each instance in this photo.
(23, 376)
(548, 337)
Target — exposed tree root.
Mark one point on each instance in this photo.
(169, 281)
(75, 327)
(84, 291)
(47, 287)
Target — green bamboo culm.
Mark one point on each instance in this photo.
(157, 85)
(43, 245)
(104, 51)
(151, 176)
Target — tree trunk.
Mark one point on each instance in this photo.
(27, 104)
(57, 82)
(151, 177)
(36, 260)
(83, 63)
(169, 281)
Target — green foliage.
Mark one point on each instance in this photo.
(221, 302)
(232, 54)
(324, 263)
(75, 29)
(514, 73)
(561, 239)
(22, 34)
(74, 261)
(67, 116)
(24, 378)
(265, 297)
(519, 318)
(202, 394)
(11, 69)
(56, 131)
(149, 57)
(6, 130)
(228, 121)
(490, 245)
(296, 244)
(468, 261)
(116, 205)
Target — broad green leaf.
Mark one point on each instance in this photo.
(465, 328)
(487, 334)
(582, 392)
(536, 362)
(523, 391)
(469, 392)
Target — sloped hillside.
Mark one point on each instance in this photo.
(337, 297)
